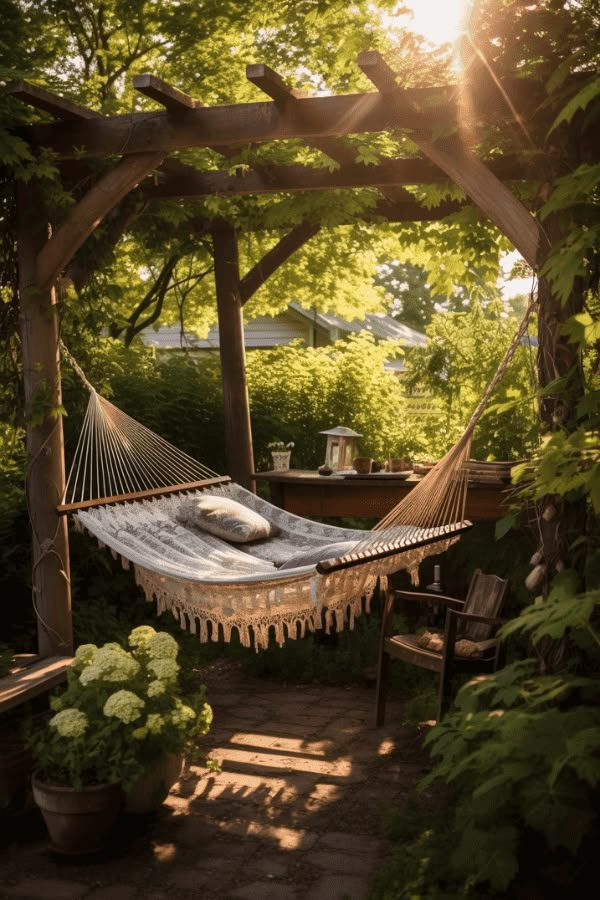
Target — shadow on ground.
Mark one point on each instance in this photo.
(294, 813)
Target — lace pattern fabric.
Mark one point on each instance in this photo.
(213, 587)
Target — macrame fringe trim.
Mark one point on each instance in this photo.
(291, 606)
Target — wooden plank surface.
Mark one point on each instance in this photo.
(307, 493)
(32, 679)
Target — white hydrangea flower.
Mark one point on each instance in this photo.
(124, 705)
(69, 722)
(84, 656)
(162, 646)
(156, 688)
(139, 733)
(182, 714)
(155, 723)
(163, 669)
(140, 636)
(110, 663)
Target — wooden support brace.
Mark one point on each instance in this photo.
(84, 218)
(275, 257)
(465, 169)
(50, 103)
(168, 96)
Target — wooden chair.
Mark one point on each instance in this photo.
(475, 620)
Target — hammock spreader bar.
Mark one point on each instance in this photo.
(66, 508)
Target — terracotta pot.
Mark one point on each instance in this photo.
(152, 787)
(399, 465)
(78, 821)
(15, 766)
(362, 465)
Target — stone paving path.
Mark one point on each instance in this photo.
(296, 811)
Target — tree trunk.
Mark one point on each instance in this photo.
(38, 321)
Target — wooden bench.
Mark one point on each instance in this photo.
(31, 676)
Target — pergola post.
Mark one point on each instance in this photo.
(46, 471)
(238, 433)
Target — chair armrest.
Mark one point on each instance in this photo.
(421, 597)
(471, 617)
(453, 619)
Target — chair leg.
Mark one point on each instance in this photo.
(445, 696)
(381, 690)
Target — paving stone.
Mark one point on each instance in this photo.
(264, 890)
(233, 850)
(339, 887)
(272, 865)
(113, 892)
(46, 889)
(283, 744)
(189, 879)
(284, 838)
(303, 772)
(354, 843)
(344, 863)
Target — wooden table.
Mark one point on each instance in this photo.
(370, 496)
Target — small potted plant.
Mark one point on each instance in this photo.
(281, 453)
(120, 717)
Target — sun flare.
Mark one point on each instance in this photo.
(438, 21)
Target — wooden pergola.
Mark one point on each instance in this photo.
(142, 142)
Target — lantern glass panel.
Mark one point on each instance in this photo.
(334, 454)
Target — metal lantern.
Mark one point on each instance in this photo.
(342, 446)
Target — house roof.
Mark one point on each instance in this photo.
(271, 331)
(380, 324)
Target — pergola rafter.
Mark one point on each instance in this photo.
(140, 143)
(190, 182)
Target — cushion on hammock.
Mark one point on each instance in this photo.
(314, 555)
(225, 518)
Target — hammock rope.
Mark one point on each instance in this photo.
(441, 497)
(116, 455)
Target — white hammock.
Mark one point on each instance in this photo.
(125, 487)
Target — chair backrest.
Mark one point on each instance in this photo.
(484, 598)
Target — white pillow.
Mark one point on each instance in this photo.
(225, 518)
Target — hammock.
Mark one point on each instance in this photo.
(126, 486)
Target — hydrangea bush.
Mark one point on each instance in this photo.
(121, 709)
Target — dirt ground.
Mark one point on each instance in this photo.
(295, 812)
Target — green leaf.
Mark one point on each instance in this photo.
(581, 99)
(490, 855)
(505, 524)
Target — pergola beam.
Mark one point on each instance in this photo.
(168, 96)
(310, 118)
(275, 86)
(462, 166)
(49, 102)
(190, 182)
(272, 84)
